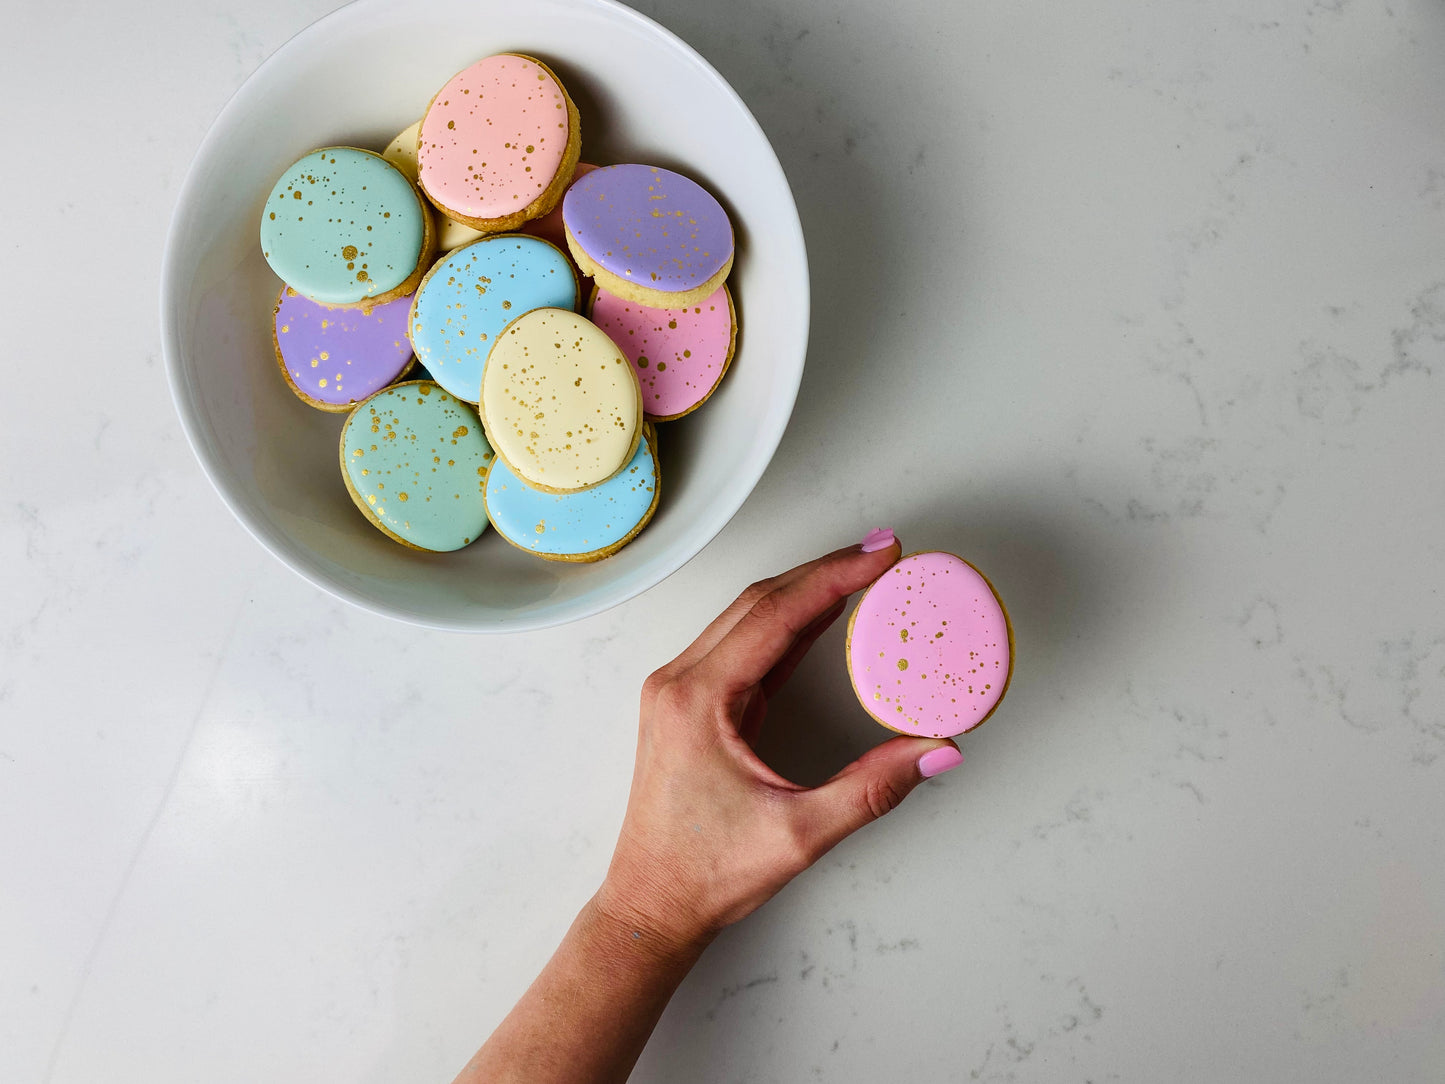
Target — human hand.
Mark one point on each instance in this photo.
(711, 832)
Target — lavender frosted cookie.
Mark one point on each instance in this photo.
(649, 235)
(334, 358)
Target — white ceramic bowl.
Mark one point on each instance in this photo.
(358, 77)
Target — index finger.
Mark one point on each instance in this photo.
(721, 625)
(762, 636)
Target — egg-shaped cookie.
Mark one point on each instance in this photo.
(498, 143)
(679, 355)
(585, 526)
(346, 228)
(930, 648)
(648, 234)
(468, 297)
(334, 358)
(415, 461)
(401, 152)
(560, 402)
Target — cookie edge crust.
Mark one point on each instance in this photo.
(592, 556)
(632, 291)
(556, 188)
(411, 312)
(726, 365)
(366, 508)
(497, 451)
(848, 649)
(330, 408)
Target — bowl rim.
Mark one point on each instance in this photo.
(293, 557)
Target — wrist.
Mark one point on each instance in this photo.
(620, 917)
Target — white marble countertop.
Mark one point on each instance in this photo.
(1139, 306)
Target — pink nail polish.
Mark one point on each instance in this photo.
(879, 538)
(937, 761)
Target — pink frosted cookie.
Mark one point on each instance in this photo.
(334, 358)
(930, 650)
(680, 355)
(499, 143)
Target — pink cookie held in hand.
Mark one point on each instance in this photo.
(930, 650)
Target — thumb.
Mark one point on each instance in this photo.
(873, 785)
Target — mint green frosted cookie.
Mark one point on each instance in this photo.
(415, 462)
(345, 227)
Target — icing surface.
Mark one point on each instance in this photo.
(572, 523)
(470, 296)
(560, 400)
(929, 650)
(342, 225)
(549, 227)
(401, 152)
(494, 137)
(651, 226)
(341, 356)
(679, 354)
(417, 457)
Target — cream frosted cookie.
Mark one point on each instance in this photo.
(499, 143)
(560, 402)
(334, 358)
(468, 297)
(415, 461)
(680, 355)
(648, 235)
(585, 526)
(346, 228)
(401, 152)
(930, 649)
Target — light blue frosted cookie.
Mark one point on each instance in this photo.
(415, 462)
(466, 300)
(345, 227)
(584, 526)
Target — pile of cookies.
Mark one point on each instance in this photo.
(553, 311)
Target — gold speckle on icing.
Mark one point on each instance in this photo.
(903, 664)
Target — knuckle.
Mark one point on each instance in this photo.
(799, 847)
(880, 797)
(674, 698)
(754, 593)
(767, 607)
(654, 683)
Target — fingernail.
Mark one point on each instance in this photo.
(937, 761)
(879, 538)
